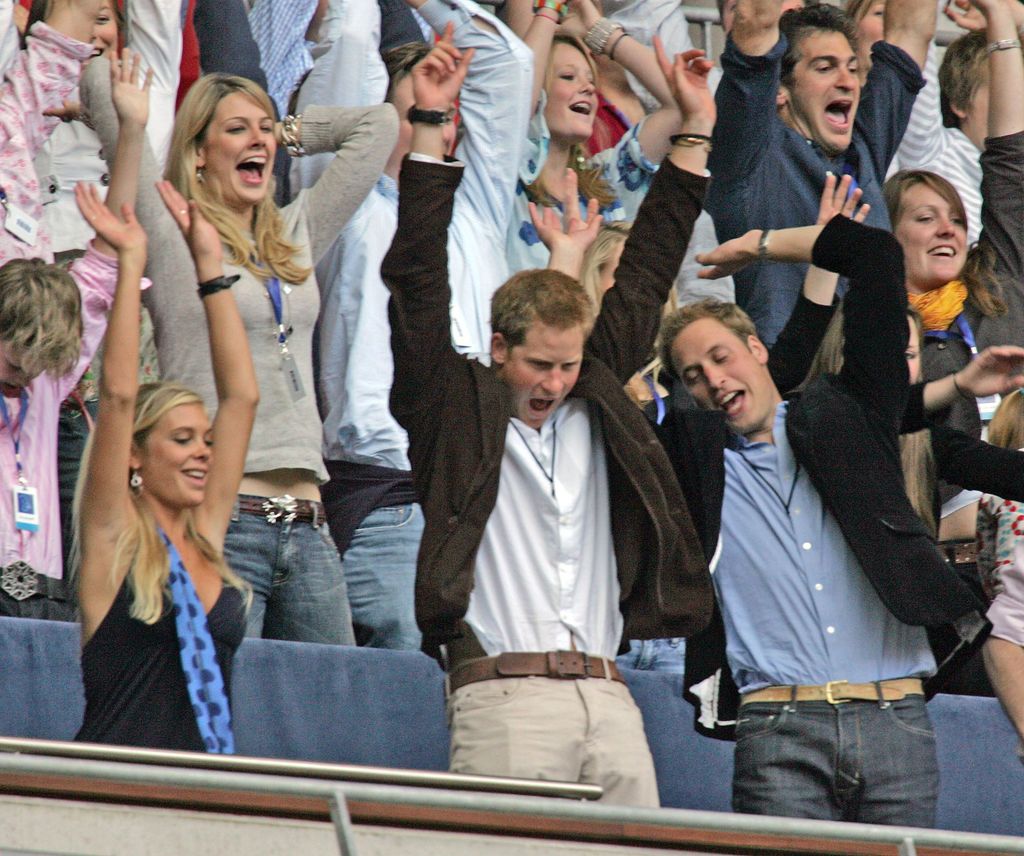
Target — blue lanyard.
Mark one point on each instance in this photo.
(16, 430)
(965, 334)
(659, 402)
(848, 169)
(273, 285)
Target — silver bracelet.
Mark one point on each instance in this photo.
(762, 245)
(1003, 45)
(290, 136)
(597, 36)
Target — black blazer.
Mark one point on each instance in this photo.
(844, 432)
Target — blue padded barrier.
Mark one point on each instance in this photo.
(386, 708)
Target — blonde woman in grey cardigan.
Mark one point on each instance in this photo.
(222, 153)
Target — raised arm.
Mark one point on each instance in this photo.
(106, 506)
(233, 373)
(631, 311)
(362, 139)
(536, 26)
(910, 25)
(755, 29)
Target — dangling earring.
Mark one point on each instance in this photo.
(135, 482)
(200, 174)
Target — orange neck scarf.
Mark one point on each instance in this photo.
(940, 307)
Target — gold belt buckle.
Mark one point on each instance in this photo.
(828, 692)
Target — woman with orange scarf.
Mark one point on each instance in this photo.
(970, 298)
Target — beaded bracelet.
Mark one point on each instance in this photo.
(598, 35)
(212, 286)
(1003, 45)
(559, 7)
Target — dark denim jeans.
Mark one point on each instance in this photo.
(865, 761)
(298, 590)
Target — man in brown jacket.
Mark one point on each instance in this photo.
(554, 523)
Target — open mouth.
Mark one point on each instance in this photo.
(945, 252)
(252, 170)
(837, 114)
(196, 477)
(584, 108)
(731, 403)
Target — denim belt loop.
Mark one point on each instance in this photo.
(790, 705)
(882, 702)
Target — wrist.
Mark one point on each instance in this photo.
(700, 125)
(962, 391)
(558, 7)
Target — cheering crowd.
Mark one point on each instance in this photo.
(529, 337)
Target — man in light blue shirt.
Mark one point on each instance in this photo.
(371, 506)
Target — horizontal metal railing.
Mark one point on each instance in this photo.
(651, 825)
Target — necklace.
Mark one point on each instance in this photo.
(792, 488)
(554, 450)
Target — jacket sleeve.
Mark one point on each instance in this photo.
(415, 270)
(627, 325)
(977, 465)
(794, 350)
(875, 325)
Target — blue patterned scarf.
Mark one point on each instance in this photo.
(199, 660)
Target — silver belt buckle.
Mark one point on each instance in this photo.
(280, 508)
(19, 580)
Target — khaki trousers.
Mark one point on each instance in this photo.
(588, 731)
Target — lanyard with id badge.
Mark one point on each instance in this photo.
(24, 497)
(292, 378)
(17, 222)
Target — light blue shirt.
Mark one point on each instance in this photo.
(798, 608)
(356, 367)
(279, 29)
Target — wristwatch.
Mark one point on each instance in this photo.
(430, 117)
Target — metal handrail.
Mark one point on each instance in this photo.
(902, 839)
(300, 769)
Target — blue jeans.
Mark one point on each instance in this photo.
(865, 761)
(380, 571)
(654, 655)
(298, 590)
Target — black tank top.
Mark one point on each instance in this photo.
(135, 692)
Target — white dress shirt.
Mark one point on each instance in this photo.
(545, 576)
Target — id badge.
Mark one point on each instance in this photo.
(20, 224)
(26, 508)
(292, 378)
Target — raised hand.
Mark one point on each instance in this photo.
(964, 15)
(131, 102)
(687, 78)
(201, 236)
(438, 77)
(567, 236)
(995, 371)
(837, 199)
(729, 257)
(123, 234)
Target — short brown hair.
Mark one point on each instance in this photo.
(400, 62)
(547, 296)
(40, 316)
(964, 68)
(797, 24)
(728, 315)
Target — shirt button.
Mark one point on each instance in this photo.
(818, 586)
(830, 629)
(806, 545)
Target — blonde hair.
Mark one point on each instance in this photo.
(139, 547)
(193, 119)
(591, 179)
(597, 258)
(1007, 426)
(40, 316)
(917, 461)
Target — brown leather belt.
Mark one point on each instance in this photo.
(568, 665)
(960, 553)
(836, 692)
(282, 509)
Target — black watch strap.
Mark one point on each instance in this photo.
(429, 117)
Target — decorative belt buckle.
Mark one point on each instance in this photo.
(19, 580)
(282, 508)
